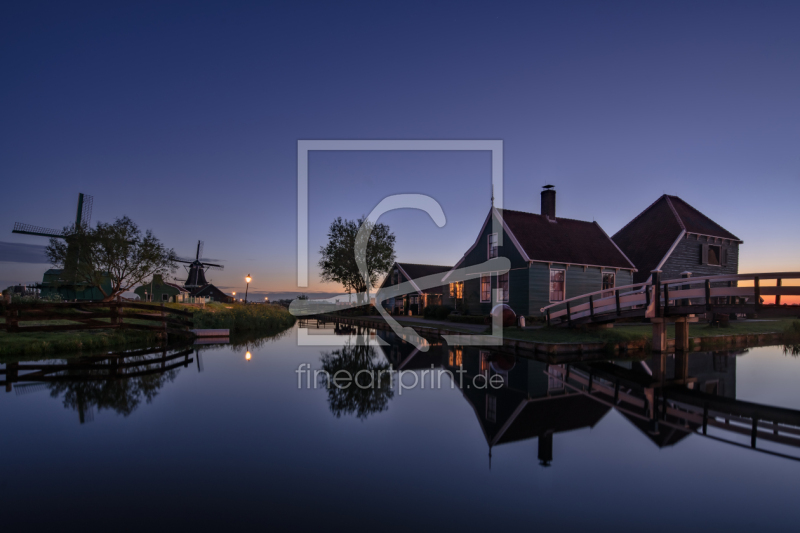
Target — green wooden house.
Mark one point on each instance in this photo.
(159, 290)
(552, 259)
(56, 282)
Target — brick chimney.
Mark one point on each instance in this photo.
(549, 201)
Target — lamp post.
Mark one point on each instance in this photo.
(248, 279)
(234, 296)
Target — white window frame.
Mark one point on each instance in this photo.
(480, 288)
(504, 297)
(489, 246)
(550, 280)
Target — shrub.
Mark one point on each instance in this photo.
(437, 312)
(244, 318)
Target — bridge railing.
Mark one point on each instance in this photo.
(632, 299)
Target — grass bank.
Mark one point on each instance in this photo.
(28, 344)
(256, 319)
(243, 318)
(789, 327)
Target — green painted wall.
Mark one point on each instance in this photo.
(52, 284)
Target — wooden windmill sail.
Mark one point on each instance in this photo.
(64, 281)
(82, 219)
(197, 269)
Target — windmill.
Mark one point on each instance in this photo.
(197, 269)
(63, 281)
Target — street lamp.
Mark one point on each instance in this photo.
(248, 279)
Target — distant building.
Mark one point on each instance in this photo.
(552, 259)
(160, 290)
(415, 302)
(674, 237)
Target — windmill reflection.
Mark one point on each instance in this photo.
(116, 381)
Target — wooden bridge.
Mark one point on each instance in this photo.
(679, 301)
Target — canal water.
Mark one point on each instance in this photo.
(251, 436)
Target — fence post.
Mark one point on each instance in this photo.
(569, 314)
(548, 316)
(708, 295)
(591, 305)
(666, 299)
(757, 291)
(778, 296)
(616, 294)
(657, 291)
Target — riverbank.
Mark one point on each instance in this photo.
(255, 319)
(621, 338)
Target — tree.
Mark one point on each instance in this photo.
(115, 251)
(339, 262)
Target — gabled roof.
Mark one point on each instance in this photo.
(563, 240)
(412, 271)
(415, 271)
(649, 238)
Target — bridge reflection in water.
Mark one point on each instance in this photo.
(117, 381)
(668, 397)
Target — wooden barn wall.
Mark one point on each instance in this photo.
(686, 258)
(578, 281)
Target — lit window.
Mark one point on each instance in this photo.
(492, 245)
(485, 364)
(502, 287)
(486, 288)
(557, 285)
(457, 289)
(459, 357)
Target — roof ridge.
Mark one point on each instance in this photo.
(634, 219)
(540, 215)
(693, 208)
(422, 264)
(675, 212)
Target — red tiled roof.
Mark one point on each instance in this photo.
(563, 240)
(647, 238)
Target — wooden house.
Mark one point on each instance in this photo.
(159, 290)
(674, 237)
(552, 259)
(415, 302)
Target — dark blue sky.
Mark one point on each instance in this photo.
(186, 118)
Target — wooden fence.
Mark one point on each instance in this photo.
(96, 315)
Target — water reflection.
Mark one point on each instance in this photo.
(116, 381)
(371, 390)
(667, 397)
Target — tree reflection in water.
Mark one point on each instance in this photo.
(122, 395)
(369, 392)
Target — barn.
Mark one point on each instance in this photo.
(677, 239)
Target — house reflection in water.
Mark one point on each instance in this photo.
(666, 396)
